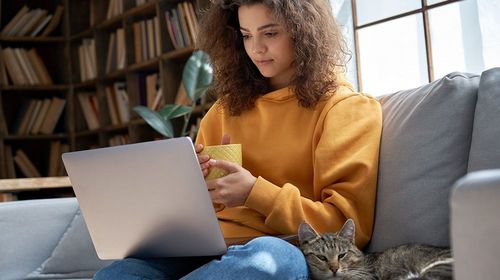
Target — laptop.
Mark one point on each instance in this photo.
(145, 200)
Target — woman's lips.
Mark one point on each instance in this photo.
(263, 62)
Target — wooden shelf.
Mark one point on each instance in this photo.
(144, 9)
(60, 53)
(179, 53)
(23, 137)
(81, 35)
(25, 184)
(85, 84)
(23, 39)
(145, 65)
(34, 88)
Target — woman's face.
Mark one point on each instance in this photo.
(267, 43)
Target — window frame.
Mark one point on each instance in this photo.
(424, 11)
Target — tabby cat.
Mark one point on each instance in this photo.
(334, 256)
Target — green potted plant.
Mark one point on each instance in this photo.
(196, 78)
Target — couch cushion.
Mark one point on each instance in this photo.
(424, 149)
(73, 257)
(485, 150)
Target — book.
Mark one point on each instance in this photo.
(9, 162)
(120, 49)
(34, 115)
(61, 171)
(112, 106)
(111, 54)
(122, 101)
(144, 40)
(183, 24)
(159, 100)
(151, 38)
(54, 158)
(151, 88)
(54, 21)
(26, 116)
(136, 27)
(13, 68)
(182, 98)
(157, 35)
(4, 80)
(41, 25)
(41, 116)
(20, 23)
(170, 30)
(25, 71)
(90, 111)
(32, 23)
(25, 165)
(39, 67)
(24, 10)
(52, 117)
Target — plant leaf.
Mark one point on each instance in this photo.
(156, 121)
(172, 111)
(197, 73)
(199, 92)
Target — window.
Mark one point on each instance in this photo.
(404, 44)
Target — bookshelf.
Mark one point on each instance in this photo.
(99, 53)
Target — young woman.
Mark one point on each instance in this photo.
(310, 143)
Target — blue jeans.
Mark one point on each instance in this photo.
(261, 258)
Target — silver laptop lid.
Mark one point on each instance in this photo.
(145, 200)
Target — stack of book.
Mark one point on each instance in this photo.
(28, 168)
(24, 67)
(116, 56)
(150, 92)
(38, 116)
(31, 22)
(117, 140)
(90, 108)
(115, 8)
(182, 25)
(87, 59)
(118, 104)
(147, 39)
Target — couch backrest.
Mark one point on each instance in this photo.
(424, 149)
(485, 146)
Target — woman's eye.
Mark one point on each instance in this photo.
(271, 34)
(341, 256)
(245, 37)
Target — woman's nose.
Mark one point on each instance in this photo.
(258, 47)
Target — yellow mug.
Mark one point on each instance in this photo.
(229, 152)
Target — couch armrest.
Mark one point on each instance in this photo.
(475, 225)
(29, 232)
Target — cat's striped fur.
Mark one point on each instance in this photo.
(335, 256)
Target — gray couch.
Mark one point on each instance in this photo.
(437, 141)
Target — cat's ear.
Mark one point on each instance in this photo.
(306, 233)
(348, 230)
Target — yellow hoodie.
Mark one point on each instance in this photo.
(318, 165)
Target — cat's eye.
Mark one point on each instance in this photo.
(322, 258)
(341, 256)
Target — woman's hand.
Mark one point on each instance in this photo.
(233, 189)
(203, 159)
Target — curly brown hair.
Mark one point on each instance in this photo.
(320, 51)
